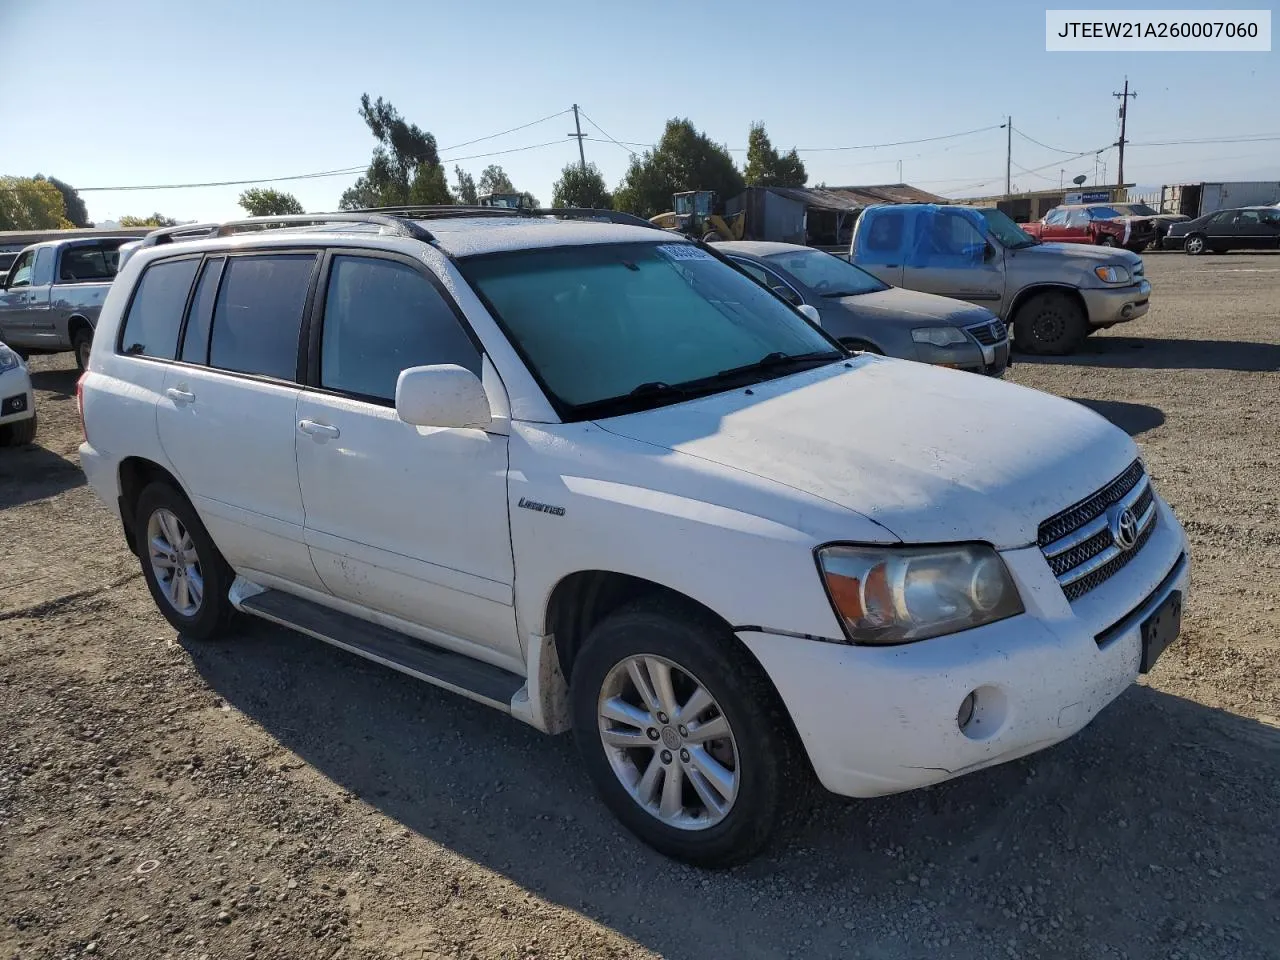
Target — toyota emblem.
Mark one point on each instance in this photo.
(1125, 530)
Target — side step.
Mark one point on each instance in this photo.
(479, 681)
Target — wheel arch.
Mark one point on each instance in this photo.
(1026, 293)
(77, 322)
(135, 475)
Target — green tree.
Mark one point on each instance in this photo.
(685, 159)
(493, 179)
(74, 206)
(155, 220)
(464, 190)
(406, 163)
(581, 188)
(766, 168)
(262, 202)
(30, 203)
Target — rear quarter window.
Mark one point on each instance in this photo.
(155, 313)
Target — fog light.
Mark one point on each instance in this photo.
(965, 713)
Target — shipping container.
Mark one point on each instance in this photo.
(1197, 199)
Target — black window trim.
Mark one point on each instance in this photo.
(313, 324)
(317, 252)
(191, 302)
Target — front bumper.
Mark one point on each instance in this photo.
(880, 720)
(972, 357)
(17, 399)
(1111, 305)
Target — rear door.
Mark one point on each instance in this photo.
(226, 412)
(1250, 232)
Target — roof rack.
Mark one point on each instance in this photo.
(594, 213)
(445, 211)
(395, 226)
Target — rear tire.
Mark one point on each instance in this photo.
(18, 434)
(1051, 323)
(81, 344)
(187, 576)
(1108, 241)
(1195, 245)
(758, 753)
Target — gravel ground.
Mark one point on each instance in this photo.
(272, 797)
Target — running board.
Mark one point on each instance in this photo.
(484, 682)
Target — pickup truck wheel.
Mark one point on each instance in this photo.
(683, 735)
(186, 574)
(1050, 323)
(82, 343)
(1195, 245)
(1108, 241)
(18, 434)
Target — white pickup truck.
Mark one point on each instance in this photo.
(594, 476)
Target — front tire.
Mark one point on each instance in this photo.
(1051, 323)
(187, 576)
(1195, 245)
(683, 735)
(18, 434)
(1108, 241)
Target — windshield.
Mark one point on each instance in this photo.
(615, 328)
(825, 274)
(1010, 235)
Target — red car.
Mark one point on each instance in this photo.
(1097, 223)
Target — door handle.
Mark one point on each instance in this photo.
(321, 431)
(180, 396)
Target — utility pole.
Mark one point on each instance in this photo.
(1008, 158)
(1124, 116)
(582, 157)
(899, 171)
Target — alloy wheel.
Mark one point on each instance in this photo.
(668, 742)
(175, 562)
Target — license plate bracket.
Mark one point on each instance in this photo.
(1161, 629)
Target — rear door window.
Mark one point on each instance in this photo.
(155, 315)
(381, 317)
(258, 314)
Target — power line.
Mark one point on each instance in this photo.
(1265, 138)
(494, 136)
(608, 135)
(1045, 145)
(859, 146)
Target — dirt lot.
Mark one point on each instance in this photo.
(272, 797)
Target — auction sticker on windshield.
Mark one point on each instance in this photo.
(1140, 31)
(683, 251)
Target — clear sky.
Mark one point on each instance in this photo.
(148, 92)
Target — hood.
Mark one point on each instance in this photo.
(932, 455)
(1088, 255)
(912, 308)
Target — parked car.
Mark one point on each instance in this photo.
(17, 401)
(595, 477)
(50, 300)
(1101, 224)
(1053, 294)
(1248, 228)
(1161, 221)
(864, 313)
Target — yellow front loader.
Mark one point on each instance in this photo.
(692, 215)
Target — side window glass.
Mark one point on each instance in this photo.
(1078, 218)
(84, 263)
(20, 272)
(1056, 218)
(757, 273)
(381, 317)
(151, 326)
(883, 236)
(258, 314)
(43, 271)
(1249, 218)
(195, 342)
(782, 288)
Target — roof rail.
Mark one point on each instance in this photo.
(444, 211)
(396, 226)
(594, 213)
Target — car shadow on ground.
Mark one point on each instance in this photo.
(61, 382)
(1133, 418)
(34, 473)
(1077, 837)
(1161, 354)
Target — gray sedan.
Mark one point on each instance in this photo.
(866, 314)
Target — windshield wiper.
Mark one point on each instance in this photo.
(774, 362)
(844, 293)
(655, 387)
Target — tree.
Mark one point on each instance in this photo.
(684, 159)
(71, 202)
(581, 188)
(406, 163)
(493, 179)
(765, 168)
(31, 203)
(464, 190)
(155, 220)
(260, 202)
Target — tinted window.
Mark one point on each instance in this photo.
(885, 232)
(20, 272)
(381, 317)
(151, 327)
(830, 276)
(88, 263)
(1218, 219)
(195, 342)
(259, 313)
(1248, 218)
(755, 271)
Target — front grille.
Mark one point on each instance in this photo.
(988, 334)
(1082, 544)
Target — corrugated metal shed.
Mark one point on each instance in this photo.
(855, 198)
(816, 215)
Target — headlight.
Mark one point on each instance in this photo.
(886, 595)
(1112, 274)
(939, 336)
(8, 359)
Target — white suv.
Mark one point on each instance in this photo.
(596, 477)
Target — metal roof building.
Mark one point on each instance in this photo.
(817, 216)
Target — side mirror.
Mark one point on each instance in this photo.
(442, 395)
(811, 314)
